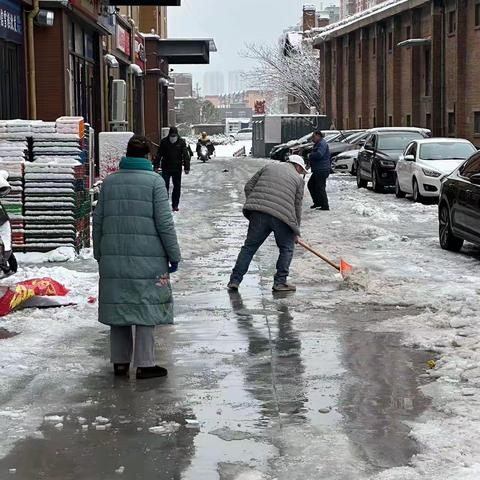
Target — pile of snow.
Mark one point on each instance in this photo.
(61, 254)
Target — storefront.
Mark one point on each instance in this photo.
(12, 60)
(68, 64)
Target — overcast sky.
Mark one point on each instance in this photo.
(232, 23)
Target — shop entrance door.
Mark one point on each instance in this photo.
(10, 85)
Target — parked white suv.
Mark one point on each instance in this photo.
(425, 162)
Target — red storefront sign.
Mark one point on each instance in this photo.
(123, 40)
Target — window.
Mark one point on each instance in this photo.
(390, 41)
(411, 149)
(408, 33)
(359, 46)
(471, 167)
(477, 14)
(396, 140)
(409, 120)
(390, 121)
(428, 120)
(374, 117)
(370, 143)
(452, 22)
(451, 123)
(359, 122)
(446, 150)
(334, 57)
(374, 46)
(428, 72)
(476, 123)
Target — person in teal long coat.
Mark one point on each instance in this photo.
(135, 244)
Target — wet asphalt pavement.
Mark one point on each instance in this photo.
(259, 386)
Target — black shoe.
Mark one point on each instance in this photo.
(151, 372)
(313, 207)
(323, 208)
(121, 369)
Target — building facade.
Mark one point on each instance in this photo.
(412, 64)
(12, 60)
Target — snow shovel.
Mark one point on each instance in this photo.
(344, 268)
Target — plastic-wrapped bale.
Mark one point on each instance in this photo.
(70, 125)
(13, 153)
(50, 204)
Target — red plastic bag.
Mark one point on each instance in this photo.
(17, 294)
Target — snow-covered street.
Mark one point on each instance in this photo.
(331, 382)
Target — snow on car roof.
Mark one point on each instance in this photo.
(442, 140)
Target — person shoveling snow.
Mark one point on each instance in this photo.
(274, 204)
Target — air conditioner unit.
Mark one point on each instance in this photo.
(118, 126)
(119, 101)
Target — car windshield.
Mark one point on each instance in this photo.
(396, 140)
(354, 137)
(336, 137)
(305, 139)
(446, 151)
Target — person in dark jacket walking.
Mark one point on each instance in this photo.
(321, 165)
(135, 244)
(172, 158)
(274, 204)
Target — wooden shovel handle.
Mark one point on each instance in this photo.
(318, 254)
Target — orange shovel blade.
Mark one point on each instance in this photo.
(345, 268)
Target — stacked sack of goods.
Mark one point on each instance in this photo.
(14, 151)
(57, 207)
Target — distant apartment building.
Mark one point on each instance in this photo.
(183, 84)
(213, 83)
(236, 81)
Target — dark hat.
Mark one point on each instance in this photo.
(173, 131)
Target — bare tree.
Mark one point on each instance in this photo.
(293, 71)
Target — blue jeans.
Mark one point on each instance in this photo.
(261, 226)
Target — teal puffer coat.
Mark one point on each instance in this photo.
(133, 240)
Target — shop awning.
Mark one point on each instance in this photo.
(180, 51)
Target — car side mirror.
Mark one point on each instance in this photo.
(361, 143)
(409, 158)
(475, 179)
(368, 147)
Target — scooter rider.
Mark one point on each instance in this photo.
(204, 141)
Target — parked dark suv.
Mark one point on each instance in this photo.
(378, 157)
(459, 206)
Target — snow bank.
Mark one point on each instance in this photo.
(397, 242)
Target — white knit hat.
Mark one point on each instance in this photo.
(298, 160)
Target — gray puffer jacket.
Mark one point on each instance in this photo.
(276, 189)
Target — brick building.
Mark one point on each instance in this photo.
(412, 62)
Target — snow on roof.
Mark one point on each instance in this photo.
(336, 28)
(294, 39)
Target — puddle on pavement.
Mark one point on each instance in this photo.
(265, 383)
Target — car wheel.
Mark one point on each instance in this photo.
(399, 193)
(448, 241)
(377, 187)
(353, 170)
(417, 196)
(361, 183)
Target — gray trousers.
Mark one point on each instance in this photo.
(121, 345)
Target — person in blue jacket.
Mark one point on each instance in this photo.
(321, 166)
